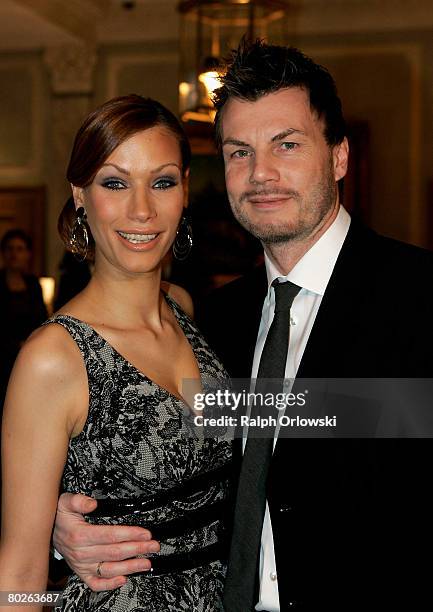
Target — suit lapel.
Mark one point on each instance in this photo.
(343, 302)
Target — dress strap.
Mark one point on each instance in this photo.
(79, 331)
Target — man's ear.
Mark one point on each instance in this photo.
(340, 157)
(185, 182)
(78, 195)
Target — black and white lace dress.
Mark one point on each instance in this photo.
(140, 454)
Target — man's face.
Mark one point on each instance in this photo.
(280, 172)
(16, 255)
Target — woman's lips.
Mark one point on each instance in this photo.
(139, 246)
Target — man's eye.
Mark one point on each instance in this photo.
(164, 183)
(113, 184)
(289, 146)
(241, 153)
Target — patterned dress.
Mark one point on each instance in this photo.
(140, 454)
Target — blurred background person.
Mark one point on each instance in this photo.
(22, 308)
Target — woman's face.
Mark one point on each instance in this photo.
(135, 201)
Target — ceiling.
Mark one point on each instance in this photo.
(37, 24)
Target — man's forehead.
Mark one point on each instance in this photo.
(271, 114)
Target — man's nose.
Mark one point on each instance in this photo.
(141, 205)
(263, 169)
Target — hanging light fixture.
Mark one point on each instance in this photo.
(209, 30)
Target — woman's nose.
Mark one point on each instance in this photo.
(141, 206)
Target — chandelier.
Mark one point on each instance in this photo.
(209, 29)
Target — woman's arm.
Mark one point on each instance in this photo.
(43, 405)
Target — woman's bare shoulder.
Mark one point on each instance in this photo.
(179, 295)
(50, 349)
(49, 377)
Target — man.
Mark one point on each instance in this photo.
(344, 518)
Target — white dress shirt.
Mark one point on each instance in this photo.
(312, 273)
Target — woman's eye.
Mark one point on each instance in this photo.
(164, 183)
(113, 184)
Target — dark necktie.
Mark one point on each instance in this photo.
(240, 593)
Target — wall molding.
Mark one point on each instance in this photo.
(33, 169)
(331, 16)
(71, 68)
(115, 63)
(413, 53)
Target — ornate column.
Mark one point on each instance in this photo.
(71, 70)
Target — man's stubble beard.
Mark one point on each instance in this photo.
(321, 201)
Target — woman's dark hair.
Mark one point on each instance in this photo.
(255, 69)
(104, 130)
(11, 235)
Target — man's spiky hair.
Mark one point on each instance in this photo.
(256, 69)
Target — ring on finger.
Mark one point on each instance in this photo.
(98, 569)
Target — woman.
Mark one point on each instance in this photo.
(22, 308)
(98, 396)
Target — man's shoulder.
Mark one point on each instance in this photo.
(404, 250)
(239, 291)
(254, 279)
(385, 253)
(234, 302)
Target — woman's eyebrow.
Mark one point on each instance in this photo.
(118, 168)
(165, 166)
(124, 171)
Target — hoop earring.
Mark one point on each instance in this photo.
(183, 242)
(79, 238)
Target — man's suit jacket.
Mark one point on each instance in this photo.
(350, 517)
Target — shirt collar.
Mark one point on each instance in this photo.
(314, 269)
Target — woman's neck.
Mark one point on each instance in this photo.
(129, 301)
